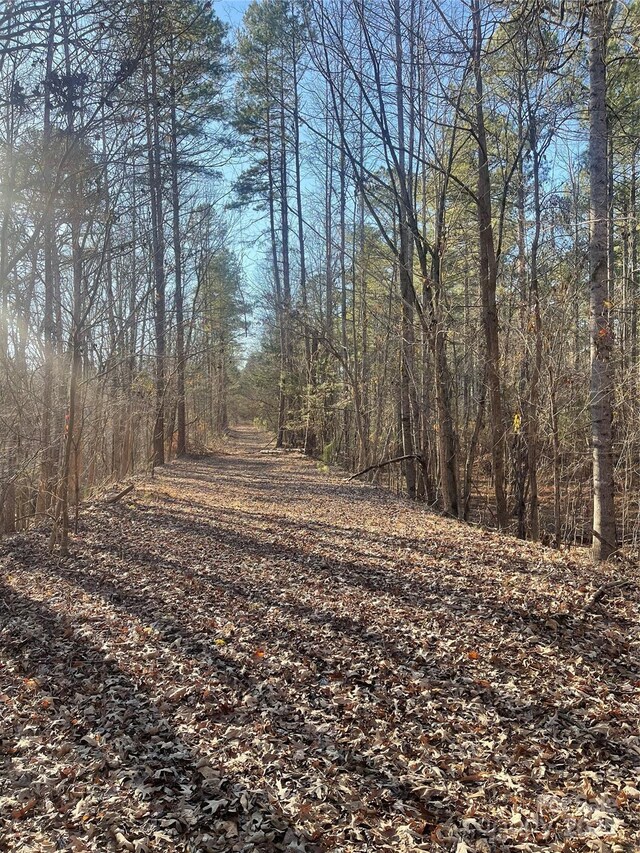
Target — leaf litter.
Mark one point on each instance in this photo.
(253, 655)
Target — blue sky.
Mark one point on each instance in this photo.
(231, 11)
(246, 245)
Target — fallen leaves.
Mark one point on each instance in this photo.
(251, 655)
(22, 811)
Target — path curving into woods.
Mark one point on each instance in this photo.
(249, 653)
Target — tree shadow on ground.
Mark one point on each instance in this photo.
(304, 628)
(379, 617)
(281, 708)
(87, 750)
(441, 579)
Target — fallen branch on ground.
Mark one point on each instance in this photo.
(121, 494)
(599, 594)
(386, 462)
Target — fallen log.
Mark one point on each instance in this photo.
(121, 494)
(385, 462)
(600, 593)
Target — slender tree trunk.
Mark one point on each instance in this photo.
(536, 322)
(309, 437)
(488, 273)
(405, 270)
(446, 441)
(557, 473)
(407, 365)
(471, 452)
(8, 503)
(604, 520)
(284, 238)
(328, 228)
(282, 395)
(633, 227)
(71, 439)
(520, 426)
(157, 240)
(179, 300)
(47, 465)
(342, 250)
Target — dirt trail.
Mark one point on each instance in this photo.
(248, 653)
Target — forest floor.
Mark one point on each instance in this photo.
(250, 654)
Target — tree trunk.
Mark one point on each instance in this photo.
(157, 239)
(488, 274)
(282, 398)
(601, 403)
(177, 254)
(405, 263)
(536, 323)
(76, 321)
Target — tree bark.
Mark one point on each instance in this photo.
(157, 239)
(181, 448)
(601, 403)
(488, 274)
(405, 263)
(70, 443)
